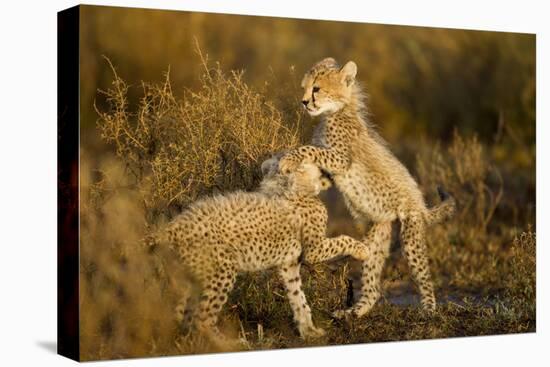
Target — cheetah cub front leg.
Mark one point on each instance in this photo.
(290, 274)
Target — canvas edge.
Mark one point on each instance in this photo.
(68, 168)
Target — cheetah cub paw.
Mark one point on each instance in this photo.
(363, 253)
(343, 314)
(311, 332)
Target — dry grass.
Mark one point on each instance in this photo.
(463, 170)
(208, 141)
(167, 153)
(521, 282)
(172, 150)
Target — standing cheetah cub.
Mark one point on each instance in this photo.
(374, 184)
(277, 226)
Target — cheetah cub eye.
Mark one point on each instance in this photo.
(326, 183)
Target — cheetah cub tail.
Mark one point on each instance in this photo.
(444, 210)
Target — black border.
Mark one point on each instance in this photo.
(68, 39)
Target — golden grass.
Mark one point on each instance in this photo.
(169, 151)
(210, 140)
(463, 170)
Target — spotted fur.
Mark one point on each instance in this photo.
(374, 184)
(277, 226)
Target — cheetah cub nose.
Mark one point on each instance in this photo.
(305, 102)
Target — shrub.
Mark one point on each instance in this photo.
(470, 243)
(169, 151)
(210, 140)
(464, 171)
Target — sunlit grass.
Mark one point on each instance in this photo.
(168, 150)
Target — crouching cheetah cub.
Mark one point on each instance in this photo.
(374, 184)
(277, 226)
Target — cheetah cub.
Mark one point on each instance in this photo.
(374, 184)
(277, 226)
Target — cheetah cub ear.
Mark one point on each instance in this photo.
(270, 166)
(348, 73)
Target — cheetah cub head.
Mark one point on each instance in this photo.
(306, 180)
(328, 88)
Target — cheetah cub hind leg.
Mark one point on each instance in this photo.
(367, 289)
